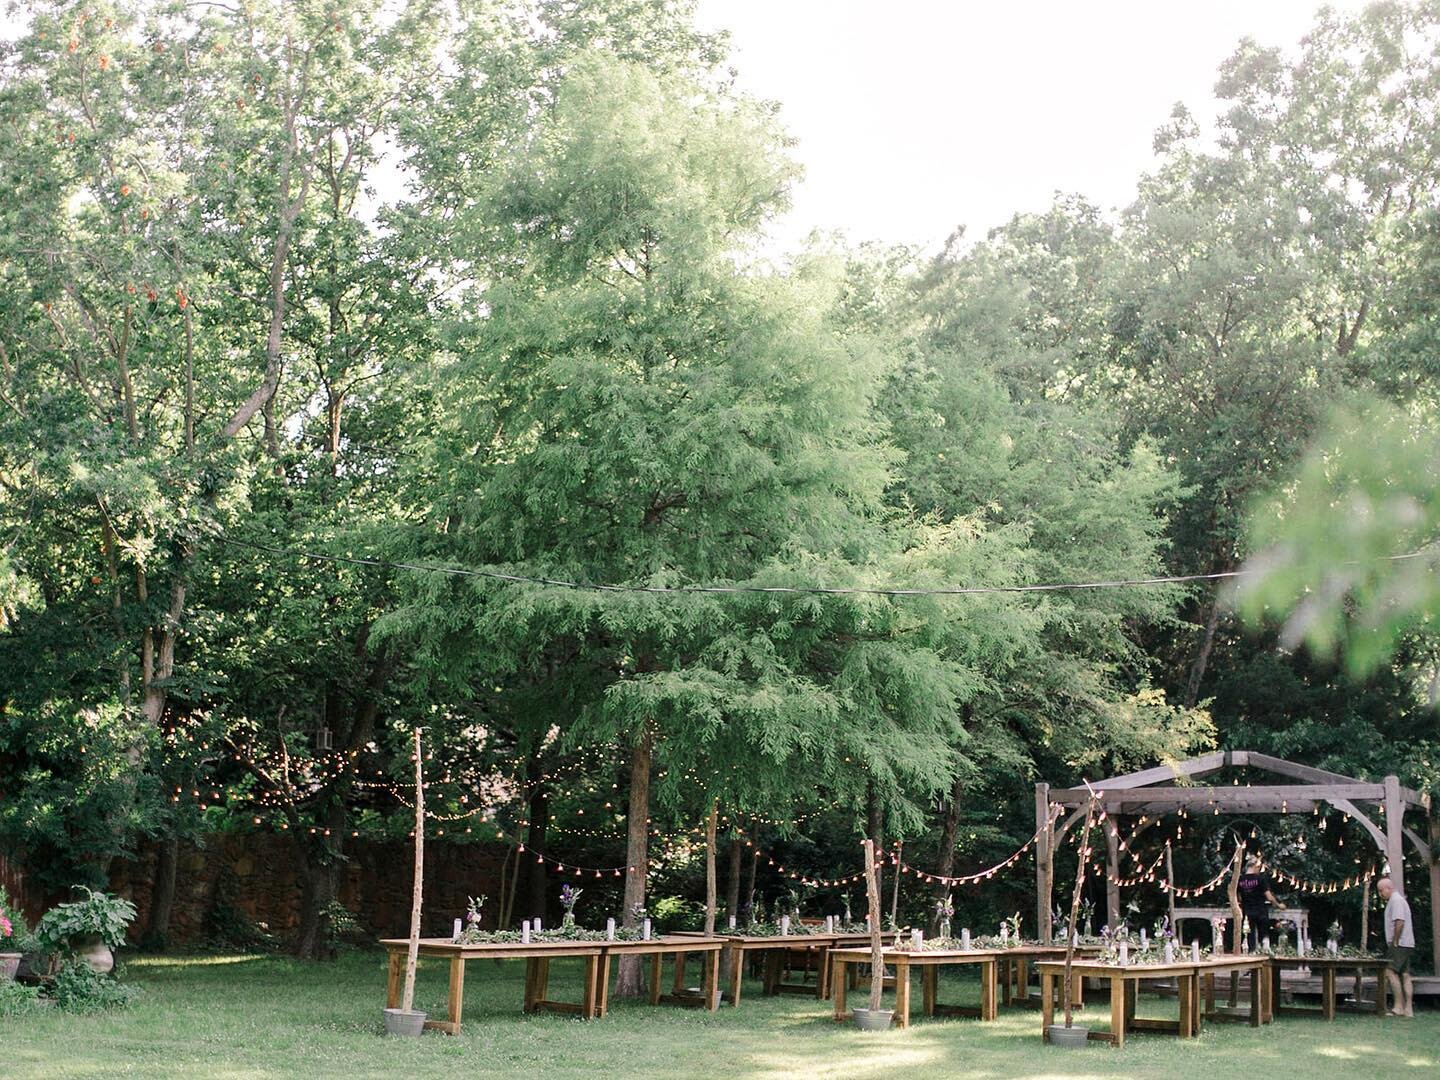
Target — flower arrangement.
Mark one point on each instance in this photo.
(569, 896)
(944, 911)
(472, 934)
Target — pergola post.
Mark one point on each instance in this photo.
(1394, 832)
(1044, 865)
(1112, 872)
(1434, 820)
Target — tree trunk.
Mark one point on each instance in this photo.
(949, 826)
(732, 888)
(750, 875)
(630, 974)
(162, 897)
(537, 880)
(318, 882)
(1202, 659)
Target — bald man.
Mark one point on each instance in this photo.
(1400, 941)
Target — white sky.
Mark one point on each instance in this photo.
(915, 116)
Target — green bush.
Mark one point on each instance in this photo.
(98, 915)
(77, 987)
(17, 999)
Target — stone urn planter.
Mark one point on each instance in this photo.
(95, 953)
(876, 1020)
(400, 1022)
(1071, 1038)
(9, 965)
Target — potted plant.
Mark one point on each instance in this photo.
(90, 929)
(12, 938)
(1067, 1034)
(874, 1018)
(569, 897)
(407, 1020)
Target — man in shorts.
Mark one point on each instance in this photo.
(1400, 940)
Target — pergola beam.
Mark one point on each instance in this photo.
(1225, 796)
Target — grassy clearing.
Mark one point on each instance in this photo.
(231, 1017)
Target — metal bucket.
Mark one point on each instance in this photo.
(400, 1022)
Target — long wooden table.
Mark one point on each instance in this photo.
(774, 950)
(929, 961)
(595, 996)
(1329, 967)
(1257, 968)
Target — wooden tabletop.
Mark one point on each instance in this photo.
(503, 950)
(1324, 961)
(1156, 971)
(918, 956)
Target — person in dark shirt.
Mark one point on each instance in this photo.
(1256, 896)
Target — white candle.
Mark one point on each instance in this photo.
(1144, 938)
(867, 923)
(917, 938)
(1195, 952)
(536, 925)
(1332, 946)
(784, 925)
(829, 924)
(1124, 953)
(1074, 938)
(645, 929)
(1265, 942)
(525, 931)
(965, 938)
(609, 929)
(1169, 952)
(732, 922)
(1004, 933)
(457, 929)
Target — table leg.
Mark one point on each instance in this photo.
(1006, 973)
(1196, 1018)
(1132, 991)
(602, 993)
(1186, 986)
(1022, 979)
(929, 982)
(1257, 1002)
(989, 990)
(1047, 1003)
(392, 980)
(592, 985)
(678, 986)
(737, 973)
(902, 993)
(1382, 986)
(656, 961)
(1327, 993)
(772, 972)
(711, 980)
(455, 1004)
(839, 983)
(822, 981)
(1209, 993)
(530, 965)
(1117, 1011)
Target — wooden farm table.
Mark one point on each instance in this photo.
(678, 945)
(1253, 965)
(1124, 985)
(929, 961)
(773, 949)
(1015, 964)
(1328, 968)
(537, 956)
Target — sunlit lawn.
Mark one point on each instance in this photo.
(219, 1016)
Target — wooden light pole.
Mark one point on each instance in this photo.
(413, 953)
(1066, 996)
(877, 951)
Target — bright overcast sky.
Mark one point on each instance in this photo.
(915, 116)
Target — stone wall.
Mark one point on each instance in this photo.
(255, 873)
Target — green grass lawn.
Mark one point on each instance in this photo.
(242, 1016)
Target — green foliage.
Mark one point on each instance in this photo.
(1345, 553)
(77, 987)
(17, 999)
(99, 915)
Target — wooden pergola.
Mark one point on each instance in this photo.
(1167, 788)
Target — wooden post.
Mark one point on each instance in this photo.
(1434, 861)
(1170, 885)
(1365, 914)
(1237, 937)
(1112, 872)
(1394, 832)
(1081, 863)
(877, 952)
(412, 955)
(710, 870)
(895, 890)
(1044, 865)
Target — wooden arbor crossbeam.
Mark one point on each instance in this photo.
(1165, 788)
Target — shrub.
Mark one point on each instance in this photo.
(77, 987)
(17, 999)
(98, 915)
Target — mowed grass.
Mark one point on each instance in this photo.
(241, 1016)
